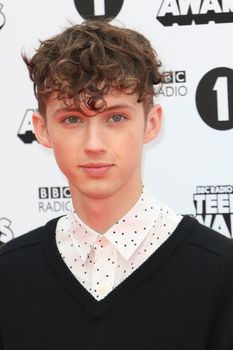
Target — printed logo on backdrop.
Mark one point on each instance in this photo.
(174, 84)
(214, 98)
(6, 233)
(26, 133)
(187, 12)
(214, 207)
(2, 17)
(98, 9)
(54, 199)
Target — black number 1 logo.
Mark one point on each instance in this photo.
(213, 98)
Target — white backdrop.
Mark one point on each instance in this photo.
(189, 166)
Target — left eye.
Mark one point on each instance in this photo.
(116, 118)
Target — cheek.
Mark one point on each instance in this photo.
(63, 152)
(131, 147)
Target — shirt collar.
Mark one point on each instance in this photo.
(83, 236)
(125, 235)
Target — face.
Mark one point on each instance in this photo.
(100, 154)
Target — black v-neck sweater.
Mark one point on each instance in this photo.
(181, 298)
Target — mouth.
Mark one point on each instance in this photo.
(96, 169)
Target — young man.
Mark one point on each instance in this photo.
(122, 271)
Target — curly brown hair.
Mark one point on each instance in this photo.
(87, 61)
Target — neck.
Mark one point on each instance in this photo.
(101, 213)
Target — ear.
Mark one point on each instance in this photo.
(153, 123)
(40, 130)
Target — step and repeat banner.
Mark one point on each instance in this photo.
(189, 166)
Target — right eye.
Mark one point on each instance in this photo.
(72, 120)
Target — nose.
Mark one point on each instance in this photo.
(95, 138)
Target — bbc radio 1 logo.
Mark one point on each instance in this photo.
(174, 84)
(98, 9)
(54, 199)
(214, 98)
(2, 17)
(185, 12)
(214, 207)
(6, 233)
(25, 132)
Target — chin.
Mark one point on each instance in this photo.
(97, 195)
(99, 192)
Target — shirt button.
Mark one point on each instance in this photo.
(103, 240)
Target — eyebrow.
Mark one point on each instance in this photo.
(65, 109)
(120, 105)
(112, 107)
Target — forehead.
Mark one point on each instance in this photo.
(113, 101)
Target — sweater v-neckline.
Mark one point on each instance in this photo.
(98, 307)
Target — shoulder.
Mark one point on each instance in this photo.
(206, 254)
(203, 237)
(207, 251)
(27, 240)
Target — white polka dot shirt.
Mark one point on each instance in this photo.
(101, 261)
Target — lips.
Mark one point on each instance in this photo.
(96, 169)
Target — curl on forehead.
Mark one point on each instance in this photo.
(113, 101)
(87, 61)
